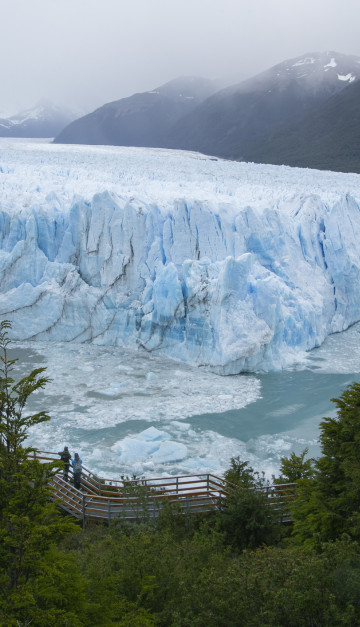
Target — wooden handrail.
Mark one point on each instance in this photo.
(105, 499)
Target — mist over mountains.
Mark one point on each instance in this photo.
(302, 112)
(233, 121)
(144, 119)
(43, 120)
(327, 138)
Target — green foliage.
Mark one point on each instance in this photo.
(14, 425)
(241, 474)
(180, 570)
(54, 594)
(29, 523)
(328, 504)
(155, 576)
(142, 568)
(246, 518)
(175, 521)
(295, 467)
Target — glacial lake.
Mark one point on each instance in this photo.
(136, 413)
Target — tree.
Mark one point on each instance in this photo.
(246, 517)
(241, 474)
(295, 467)
(33, 574)
(329, 503)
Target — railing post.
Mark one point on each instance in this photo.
(109, 512)
(208, 483)
(177, 485)
(84, 509)
(187, 513)
(99, 486)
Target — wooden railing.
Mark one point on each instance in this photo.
(138, 499)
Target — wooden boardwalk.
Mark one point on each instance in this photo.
(135, 500)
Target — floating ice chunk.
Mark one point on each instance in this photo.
(152, 434)
(198, 465)
(182, 426)
(151, 445)
(122, 368)
(170, 451)
(131, 450)
(151, 376)
(114, 390)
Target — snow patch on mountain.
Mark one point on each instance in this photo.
(44, 119)
(306, 61)
(347, 77)
(234, 266)
(324, 67)
(332, 63)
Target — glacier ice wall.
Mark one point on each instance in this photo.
(239, 294)
(237, 287)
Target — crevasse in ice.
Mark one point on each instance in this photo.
(233, 266)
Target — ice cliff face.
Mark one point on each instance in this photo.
(267, 266)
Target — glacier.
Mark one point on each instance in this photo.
(233, 266)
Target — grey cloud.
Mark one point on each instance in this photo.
(84, 53)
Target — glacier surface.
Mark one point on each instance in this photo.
(234, 266)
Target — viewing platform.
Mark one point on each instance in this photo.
(102, 500)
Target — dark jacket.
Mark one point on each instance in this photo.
(65, 456)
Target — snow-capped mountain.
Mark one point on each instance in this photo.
(235, 266)
(143, 119)
(43, 120)
(231, 122)
(234, 122)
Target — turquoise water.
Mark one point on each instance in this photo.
(290, 402)
(104, 400)
(286, 418)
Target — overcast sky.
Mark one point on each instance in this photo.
(83, 53)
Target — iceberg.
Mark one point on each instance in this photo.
(151, 446)
(236, 267)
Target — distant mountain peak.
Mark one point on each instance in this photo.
(185, 87)
(304, 61)
(230, 122)
(44, 119)
(142, 119)
(188, 113)
(324, 66)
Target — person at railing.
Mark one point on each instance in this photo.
(65, 457)
(77, 468)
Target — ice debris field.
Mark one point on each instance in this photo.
(130, 412)
(233, 266)
(133, 412)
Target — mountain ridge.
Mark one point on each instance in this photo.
(142, 119)
(43, 120)
(327, 138)
(228, 123)
(247, 121)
